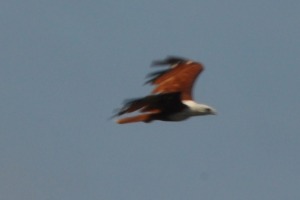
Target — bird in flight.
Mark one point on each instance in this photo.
(171, 98)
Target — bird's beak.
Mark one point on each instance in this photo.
(213, 112)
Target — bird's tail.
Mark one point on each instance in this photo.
(139, 118)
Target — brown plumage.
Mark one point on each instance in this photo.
(179, 78)
(171, 99)
(138, 118)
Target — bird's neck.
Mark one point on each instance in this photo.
(195, 108)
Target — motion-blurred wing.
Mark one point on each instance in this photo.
(180, 76)
(157, 103)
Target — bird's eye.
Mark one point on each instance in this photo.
(207, 110)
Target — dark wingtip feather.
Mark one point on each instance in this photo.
(170, 60)
(120, 111)
(126, 105)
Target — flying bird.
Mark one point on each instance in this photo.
(171, 98)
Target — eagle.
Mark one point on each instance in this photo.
(172, 97)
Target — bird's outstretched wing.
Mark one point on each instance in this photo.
(151, 106)
(157, 103)
(179, 77)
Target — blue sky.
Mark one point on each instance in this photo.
(66, 65)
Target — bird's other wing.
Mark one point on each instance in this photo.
(151, 106)
(157, 103)
(179, 77)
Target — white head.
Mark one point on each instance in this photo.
(200, 109)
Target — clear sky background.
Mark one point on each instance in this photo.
(65, 65)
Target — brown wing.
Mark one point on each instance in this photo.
(179, 78)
